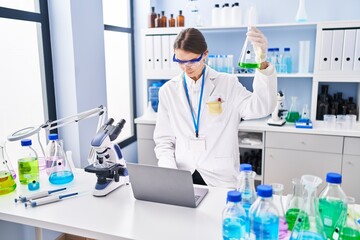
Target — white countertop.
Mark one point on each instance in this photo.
(261, 125)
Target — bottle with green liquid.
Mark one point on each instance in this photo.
(7, 182)
(247, 59)
(293, 114)
(28, 164)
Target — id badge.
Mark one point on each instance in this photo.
(197, 144)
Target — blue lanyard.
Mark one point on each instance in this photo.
(196, 123)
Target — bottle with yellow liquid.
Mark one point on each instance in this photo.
(7, 182)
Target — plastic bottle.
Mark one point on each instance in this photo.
(234, 218)
(278, 189)
(236, 15)
(332, 203)
(154, 95)
(152, 17)
(276, 59)
(171, 21)
(215, 15)
(246, 187)
(287, 61)
(7, 182)
(295, 203)
(28, 164)
(180, 20)
(225, 14)
(60, 171)
(270, 54)
(264, 217)
(163, 19)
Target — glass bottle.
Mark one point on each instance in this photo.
(264, 217)
(180, 20)
(234, 217)
(287, 61)
(28, 164)
(293, 114)
(152, 17)
(171, 21)
(246, 187)
(247, 56)
(60, 172)
(308, 224)
(332, 203)
(278, 189)
(301, 15)
(295, 203)
(158, 21)
(163, 19)
(7, 182)
(5, 158)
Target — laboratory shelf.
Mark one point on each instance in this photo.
(281, 75)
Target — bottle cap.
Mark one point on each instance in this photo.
(180, 12)
(234, 196)
(276, 49)
(287, 49)
(217, 5)
(245, 167)
(332, 177)
(26, 142)
(236, 4)
(53, 136)
(270, 49)
(226, 5)
(34, 185)
(264, 191)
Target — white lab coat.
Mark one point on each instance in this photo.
(219, 163)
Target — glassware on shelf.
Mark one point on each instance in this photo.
(278, 189)
(308, 223)
(301, 15)
(294, 203)
(293, 113)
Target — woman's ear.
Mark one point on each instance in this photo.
(205, 55)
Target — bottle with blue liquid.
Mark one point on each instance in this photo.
(60, 169)
(287, 61)
(246, 187)
(234, 218)
(264, 216)
(154, 95)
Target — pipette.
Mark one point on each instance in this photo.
(36, 195)
(49, 199)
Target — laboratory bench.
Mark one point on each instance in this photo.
(293, 151)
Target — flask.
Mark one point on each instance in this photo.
(152, 17)
(158, 21)
(247, 57)
(28, 164)
(247, 189)
(234, 217)
(60, 172)
(154, 95)
(293, 114)
(171, 21)
(7, 182)
(332, 203)
(278, 189)
(180, 20)
(295, 203)
(264, 217)
(308, 224)
(287, 61)
(163, 19)
(305, 112)
(301, 15)
(236, 15)
(225, 14)
(215, 15)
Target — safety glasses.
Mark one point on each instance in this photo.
(189, 63)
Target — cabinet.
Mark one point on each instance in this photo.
(351, 167)
(146, 144)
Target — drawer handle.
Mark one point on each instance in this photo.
(303, 142)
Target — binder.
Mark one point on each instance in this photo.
(336, 50)
(357, 52)
(173, 65)
(165, 40)
(325, 51)
(157, 52)
(149, 52)
(349, 50)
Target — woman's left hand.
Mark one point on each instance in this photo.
(259, 42)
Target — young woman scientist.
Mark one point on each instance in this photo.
(200, 110)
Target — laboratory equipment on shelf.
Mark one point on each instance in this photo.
(278, 189)
(246, 186)
(295, 202)
(236, 15)
(293, 114)
(332, 203)
(277, 118)
(301, 15)
(264, 217)
(216, 16)
(180, 19)
(308, 224)
(28, 164)
(60, 171)
(152, 16)
(7, 182)
(247, 56)
(234, 218)
(286, 61)
(171, 21)
(106, 158)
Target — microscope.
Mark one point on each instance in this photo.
(277, 115)
(108, 163)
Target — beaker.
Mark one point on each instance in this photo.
(293, 113)
(295, 203)
(278, 189)
(308, 223)
(247, 57)
(347, 230)
(7, 182)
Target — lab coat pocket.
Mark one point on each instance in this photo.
(215, 111)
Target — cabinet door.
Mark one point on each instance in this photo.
(351, 176)
(146, 153)
(282, 165)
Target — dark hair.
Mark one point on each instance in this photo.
(191, 40)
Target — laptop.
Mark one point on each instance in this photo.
(164, 185)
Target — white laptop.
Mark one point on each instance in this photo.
(164, 185)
